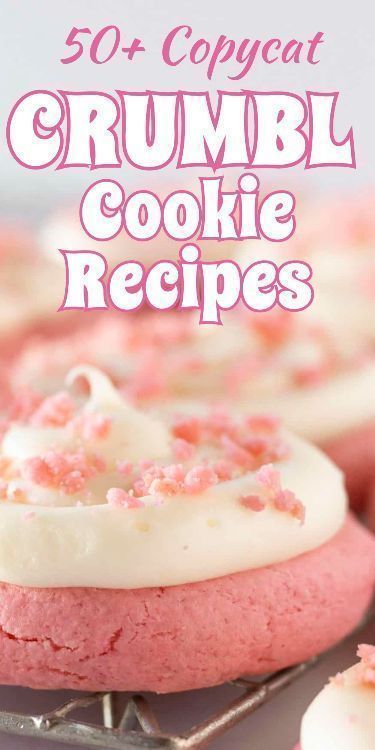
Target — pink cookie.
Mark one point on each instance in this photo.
(354, 453)
(187, 636)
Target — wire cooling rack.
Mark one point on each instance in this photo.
(129, 722)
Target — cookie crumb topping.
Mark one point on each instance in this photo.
(101, 449)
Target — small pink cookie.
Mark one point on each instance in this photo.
(341, 716)
(188, 636)
(354, 453)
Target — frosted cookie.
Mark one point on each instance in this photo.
(146, 554)
(338, 239)
(342, 716)
(278, 362)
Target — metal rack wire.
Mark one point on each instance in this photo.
(129, 723)
(134, 725)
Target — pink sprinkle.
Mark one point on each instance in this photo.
(24, 405)
(224, 469)
(175, 472)
(367, 665)
(256, 445)
(72, 482)
(236, 454)
(92, 426)
(274, 327)
(139, 488)
(147, 381)
(164, 487)
(17, 495)
(263, 423)
(312, 375)
(37, 471)
(366, 653)
(278, 451)
(182, 450)
(3, 489)
(54, 411)
(125, 468)
(286, 500)
(283, 500)
(96, 463)
(118, 498)
(64, 471)
(146, 464)
(269, 477)
(165, 480)
(189, 429)
(154, 472)
(241, 372)
(253, 502)
(338, 679)
(219, 423)
(200, 478)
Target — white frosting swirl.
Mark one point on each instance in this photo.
(312, 380)
(324, 411)
(133, 435)
(168, 540)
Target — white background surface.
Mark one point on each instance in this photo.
(32, 36)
